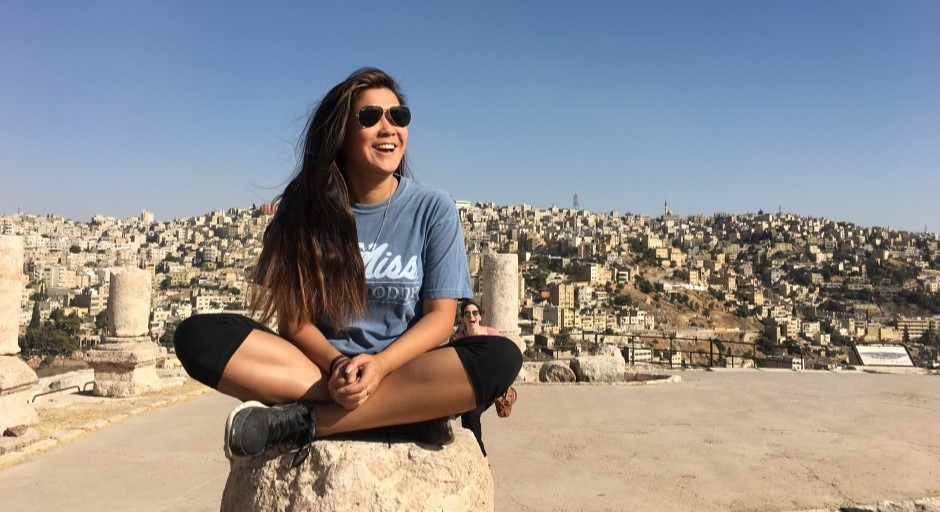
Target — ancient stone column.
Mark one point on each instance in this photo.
(125, 364)
(500, 287)
(16, 377)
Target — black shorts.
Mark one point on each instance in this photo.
(205, 343)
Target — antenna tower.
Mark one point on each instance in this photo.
(577, 206)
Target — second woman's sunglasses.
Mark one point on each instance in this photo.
(399, 115)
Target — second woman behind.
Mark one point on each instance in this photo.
(471, 325)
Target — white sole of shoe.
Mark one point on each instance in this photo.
(228, 426)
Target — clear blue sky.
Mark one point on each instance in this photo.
(823, 108)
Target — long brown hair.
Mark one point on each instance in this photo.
(310, 266)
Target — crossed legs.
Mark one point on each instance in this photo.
(270, 369)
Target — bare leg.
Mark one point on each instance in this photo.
(270, 369)
(431, 386)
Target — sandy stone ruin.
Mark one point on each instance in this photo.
(16, 377)
(125, 363)
(342, 474)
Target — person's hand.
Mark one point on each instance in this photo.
(338, 380)
(356, 380)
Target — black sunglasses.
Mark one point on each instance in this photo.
(400, 115)
(471, 312)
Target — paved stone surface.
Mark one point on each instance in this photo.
(167, 460)
(734, 440)
(748, 440)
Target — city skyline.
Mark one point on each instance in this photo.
(821, 110)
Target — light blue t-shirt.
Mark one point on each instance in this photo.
(419, 255)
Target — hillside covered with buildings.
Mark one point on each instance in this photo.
(780, 284)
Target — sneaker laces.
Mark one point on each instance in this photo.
(302, 452)
(292, 424)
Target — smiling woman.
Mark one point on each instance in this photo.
(360, 326)
(471, 318)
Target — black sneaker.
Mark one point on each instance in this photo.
(253, 427)
(437, 432)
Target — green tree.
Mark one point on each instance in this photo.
(70, 324)
(765, 344)
(47, 340)
(537, 279)
(623, 300)
(167, 338)
(34, 320)
(101, 320)
(930, 337)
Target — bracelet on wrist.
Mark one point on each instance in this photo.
(335, 362)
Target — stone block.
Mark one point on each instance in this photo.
(16, 431)
(12, 444)
(138, 352)
(556, 371)
(364, 475)
(598, 368)
(16, 380)
(122, 383)
(608, 350)
(125, 369)
(71, 382)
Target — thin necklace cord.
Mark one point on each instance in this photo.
(384, 216)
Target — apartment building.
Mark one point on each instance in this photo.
(560, 317)
(914, 327)
(562, 295)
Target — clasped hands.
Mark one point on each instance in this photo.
(354, 380)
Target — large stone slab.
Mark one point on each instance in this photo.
(364, 476)
(598, 368)
(125, 369)
(556, 371)
(608, 350)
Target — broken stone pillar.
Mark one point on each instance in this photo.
(125, 363)
(501, 295)
(16, 377)
(364, 475)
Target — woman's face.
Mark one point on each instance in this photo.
(471, 316)
(378, 148)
